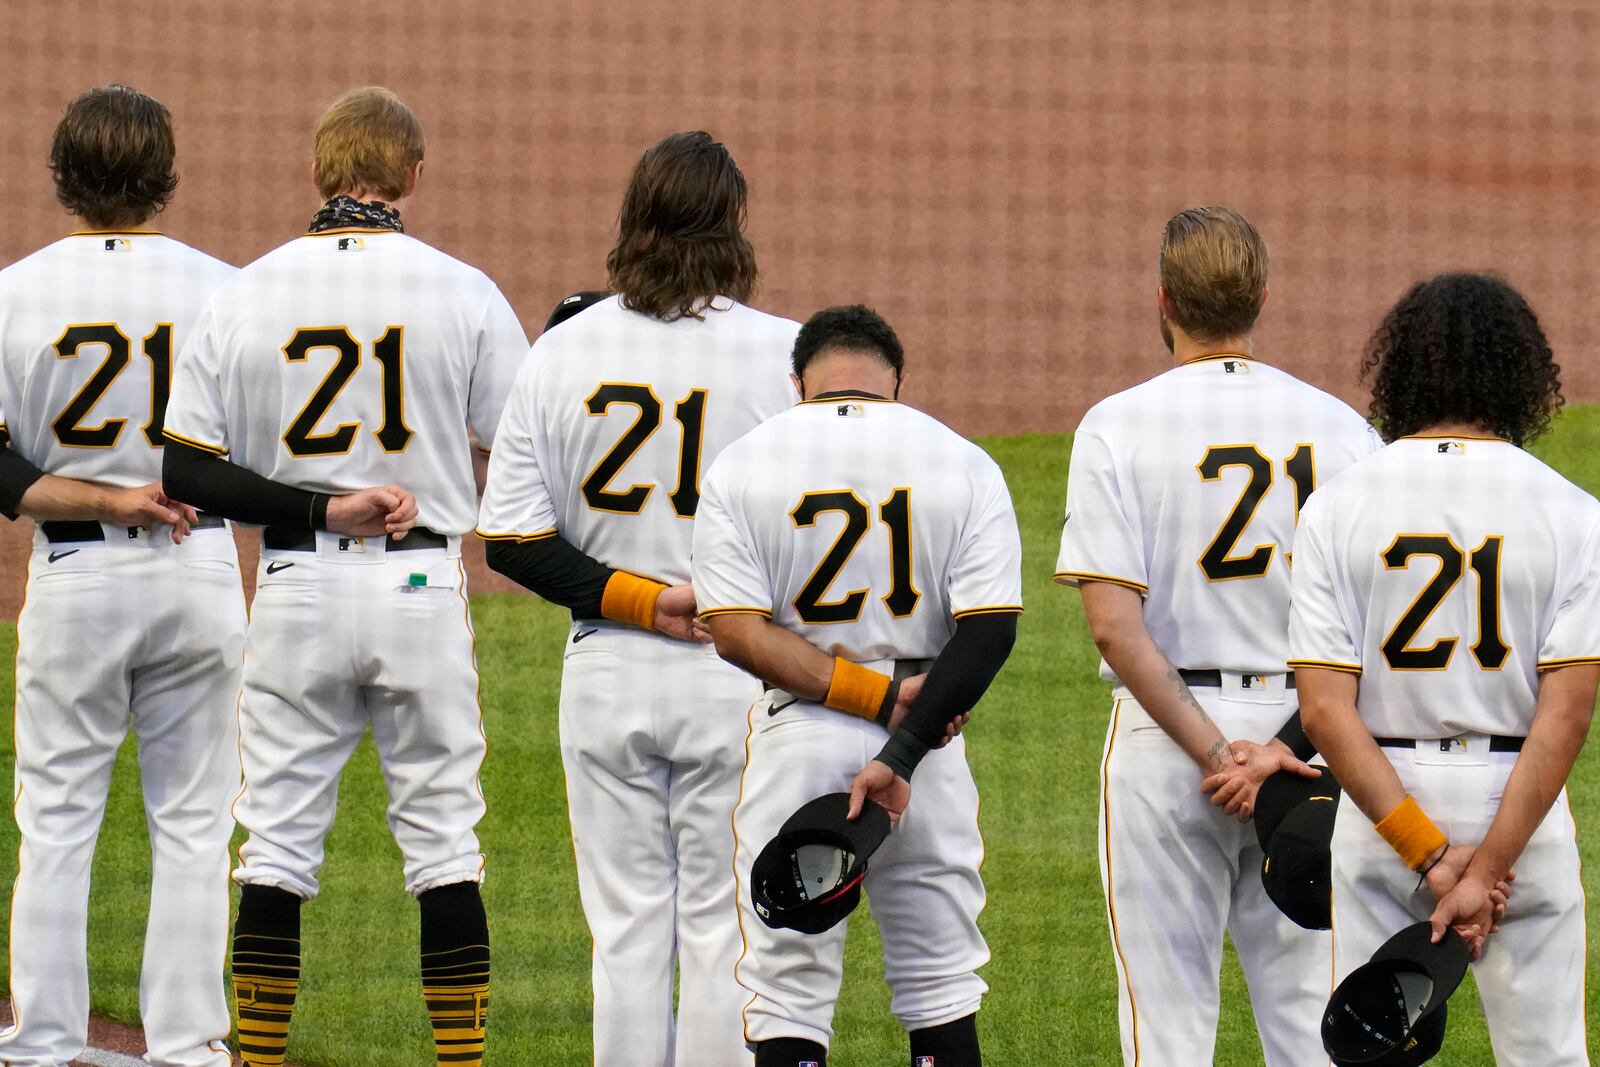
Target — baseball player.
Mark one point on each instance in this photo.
(88, 328)
(844, 550)
(591, 499)
(332, 371)
(1181, 504)
(1446, 637)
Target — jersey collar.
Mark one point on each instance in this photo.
(848, 394)
(116, 233)
(1215, 356)
(1452, 437)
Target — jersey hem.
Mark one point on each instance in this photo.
(215, 450)
(713, 612)
(540, 536)
(1345, 668)
(1075, 577)
(997, 609)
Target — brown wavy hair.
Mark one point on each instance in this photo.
(680, 233)
(1462, 348)
(1214, 269)
(112, 157)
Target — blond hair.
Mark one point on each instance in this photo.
(367, 140)
(1214, 270)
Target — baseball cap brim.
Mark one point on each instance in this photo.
(1297, 868)
(1282, 793)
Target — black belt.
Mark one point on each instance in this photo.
(289, 539)
(65, 533)
(1497, 743)
(1213, 679)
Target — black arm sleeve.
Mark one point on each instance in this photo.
(17, 476)
(554, 568)
(1295, 737)
(211, 484)
(958, 680)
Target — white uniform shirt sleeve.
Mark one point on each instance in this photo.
(517, 505)
(1098, 540)
(502, 349)
(1321, 631)
(1574, 636)
(728, 578)
(195, 412)
(986, 573)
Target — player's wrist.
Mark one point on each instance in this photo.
(858, 690)
(1410, 832)
(631, 599)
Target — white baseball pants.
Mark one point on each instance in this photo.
(340, 641)
(132, 631)
(923, 882)
(652, 742)
(1531, 977)
(1177, 873)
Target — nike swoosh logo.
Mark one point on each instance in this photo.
(774, 709)
(63, 555)
(274, 568)
(581, 634)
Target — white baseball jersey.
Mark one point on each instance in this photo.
(1187, 489)
(863, 525)
(1447, 571)
(612, 422)
(344, 360)
(88, 329)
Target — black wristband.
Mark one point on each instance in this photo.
(890, 698)
(319, 510)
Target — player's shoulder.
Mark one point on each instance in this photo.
(19, 272)
(1315, 402)
(755, 321)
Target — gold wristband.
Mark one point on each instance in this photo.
(630, 598)
(1410, 832)
(856, 690)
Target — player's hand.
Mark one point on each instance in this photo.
(1469, 908)
(878, 783)
(954, 727)
(675, 615)
(145, 505)
(384, 509)
(910, 689)
(1451, 867)
(1234, 788)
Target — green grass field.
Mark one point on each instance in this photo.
(1034, 744)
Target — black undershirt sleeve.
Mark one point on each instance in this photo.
(958, 680)
(17, 476)
(1294, 735)
(211, 484)
(554, 568)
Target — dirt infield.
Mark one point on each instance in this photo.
(992, 176)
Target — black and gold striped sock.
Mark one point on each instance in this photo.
(266, 972)
(455, 971)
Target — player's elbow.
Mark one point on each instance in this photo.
(183, 473)
(733, 637)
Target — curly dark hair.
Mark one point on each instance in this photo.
(1462, 348)
(112, 157)
(854, 328)
(680, 233)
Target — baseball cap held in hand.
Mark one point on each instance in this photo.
(1294, 823)
(1391, 1011)
(808, 877)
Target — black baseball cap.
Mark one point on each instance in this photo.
(571, 305)
(1294, 819)
(1391, 1011)
(808, 877)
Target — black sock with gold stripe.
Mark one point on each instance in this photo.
(266, 972)
(455, 970)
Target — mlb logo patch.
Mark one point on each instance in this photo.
(808, 1063)
(851, 411)
(924, 1061)
(1453, 744)
(118, 244)
(1252, 681)
(1235, 366)
(1452, 448)
(352, 244)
